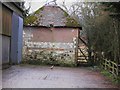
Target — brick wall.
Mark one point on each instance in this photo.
(41, 43)
(63, 35)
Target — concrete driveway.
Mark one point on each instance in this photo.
(30, 76)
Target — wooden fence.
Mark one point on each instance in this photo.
(110, 66)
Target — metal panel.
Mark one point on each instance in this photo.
(5, 32)
(14, 38)
(20, 38)
(16, 41)
(5, 49)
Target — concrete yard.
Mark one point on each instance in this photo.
(30, 76)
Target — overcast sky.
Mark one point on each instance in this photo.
(36, 4)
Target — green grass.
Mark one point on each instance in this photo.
(111, 77)
(114, 79)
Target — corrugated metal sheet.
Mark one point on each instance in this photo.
(6, 21)
(5, 33)
(10, 34)
(5, 49)
(16, 41)
(20, 39)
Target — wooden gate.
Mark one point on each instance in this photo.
(81, 51)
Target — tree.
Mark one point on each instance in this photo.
(101, 24)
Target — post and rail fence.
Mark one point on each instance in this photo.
(110, 66)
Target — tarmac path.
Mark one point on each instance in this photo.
(31, 76)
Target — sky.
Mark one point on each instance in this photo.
(36, 4)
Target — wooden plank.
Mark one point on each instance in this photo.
(6, 21)
(83, 41)
(111, 67)
(76, 50)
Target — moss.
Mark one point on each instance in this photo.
(71, 22)
(39, 10)
(30, 19)
(66, 14)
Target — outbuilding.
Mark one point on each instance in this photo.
(11, 32)
(50, 28)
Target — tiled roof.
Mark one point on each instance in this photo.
(50, 15)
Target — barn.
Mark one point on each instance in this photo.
(11, 32)
(50, 30)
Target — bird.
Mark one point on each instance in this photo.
(52, 67)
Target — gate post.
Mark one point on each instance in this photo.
(76, 50)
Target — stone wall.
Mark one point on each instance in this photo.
(52, 52)
(50, 45)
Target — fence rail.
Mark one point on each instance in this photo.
(111, 66)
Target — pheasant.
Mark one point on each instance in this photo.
(52, 67)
